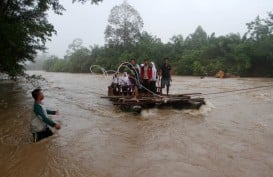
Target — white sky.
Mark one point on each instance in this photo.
(163, 18)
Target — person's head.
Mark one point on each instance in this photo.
(166, 60)
(37, 94)
(133, 61)
(146, 62)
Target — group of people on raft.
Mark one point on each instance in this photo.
(142, 78)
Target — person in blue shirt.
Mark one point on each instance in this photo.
(39, 120)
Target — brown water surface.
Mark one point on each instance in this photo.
(232, 135)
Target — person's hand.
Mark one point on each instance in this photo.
(57, 126)
(57, 112)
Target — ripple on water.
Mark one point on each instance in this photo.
(202, 111)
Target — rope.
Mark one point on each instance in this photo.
(127, 64)
(136, 79)
(244, 89)
(101, 68)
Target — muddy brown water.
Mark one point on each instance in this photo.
(232, 135)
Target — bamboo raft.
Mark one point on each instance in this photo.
(177, 101)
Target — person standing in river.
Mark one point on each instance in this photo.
(39, 119)
(165, 73)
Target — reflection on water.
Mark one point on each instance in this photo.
(230, 136)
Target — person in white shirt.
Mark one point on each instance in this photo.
(154, 78)
(115, 84)
(125, 83)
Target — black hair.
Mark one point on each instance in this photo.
(35, 93)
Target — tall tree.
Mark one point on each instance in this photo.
(74, 46)
(260, 29)
(125, 25)
(149, 47)
(197, 39)
(24, 29)
(261, 44)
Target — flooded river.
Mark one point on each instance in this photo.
(232, 135)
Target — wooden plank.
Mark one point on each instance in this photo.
(153, 96)
(116, 97)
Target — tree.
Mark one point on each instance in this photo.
(74, 46)
(260, 29)
(197, 39)
(24, 29)
(261, 45)
(149, 47)
(49, 64)
(125, 25)
(79, 59)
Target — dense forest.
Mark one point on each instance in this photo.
(197, 54)
(24, 30)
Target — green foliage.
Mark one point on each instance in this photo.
(124, 26)
(79, 60)
(197, 54)
(260, 44)
(24, 29)
(196, 40)
(185, 64)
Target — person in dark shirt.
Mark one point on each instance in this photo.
(165, 73)
(136, 68)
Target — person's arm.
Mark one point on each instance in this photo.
(39, 111)
(141, 73)
(170, 72)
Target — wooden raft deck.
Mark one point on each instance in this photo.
(177, 101)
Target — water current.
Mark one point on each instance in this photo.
(232, 135)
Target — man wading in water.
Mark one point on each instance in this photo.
(39, 120)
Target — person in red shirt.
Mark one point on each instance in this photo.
(146, 75)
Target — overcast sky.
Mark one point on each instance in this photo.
(162, 18)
